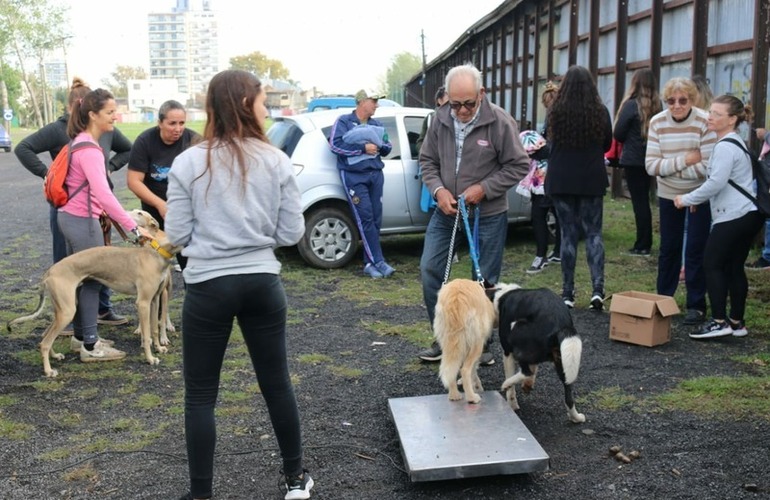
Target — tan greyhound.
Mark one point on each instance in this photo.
(141, 271)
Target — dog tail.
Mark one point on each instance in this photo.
(571, 348)
(34, 315)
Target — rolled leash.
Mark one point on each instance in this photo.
(473, 236)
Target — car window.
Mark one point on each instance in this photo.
(284, 134)
(413, 126)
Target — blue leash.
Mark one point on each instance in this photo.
(473, 237)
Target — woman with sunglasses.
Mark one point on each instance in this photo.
(679, 144)
(736, 220)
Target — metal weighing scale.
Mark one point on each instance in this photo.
(442, 439)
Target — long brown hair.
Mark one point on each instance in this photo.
(230, 116)
(644, 89)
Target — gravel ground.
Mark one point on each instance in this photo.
(116, 431)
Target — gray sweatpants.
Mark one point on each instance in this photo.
(81, 233)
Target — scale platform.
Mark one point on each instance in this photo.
(442, 439)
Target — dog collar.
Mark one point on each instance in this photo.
(162, 251)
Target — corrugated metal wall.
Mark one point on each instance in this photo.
(524, 43)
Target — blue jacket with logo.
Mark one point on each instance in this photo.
(345, 150)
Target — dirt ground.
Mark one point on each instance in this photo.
(116, 430)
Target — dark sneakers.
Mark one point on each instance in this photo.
(738, 328)
(298, 487)
(431, 354)
(758, 264)
(711, 330)
(486, 358)
(694, 317)
(597, 301)
(569, 299)
(110, 318)
(639, 252)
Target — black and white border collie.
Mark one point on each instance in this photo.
(535, 327)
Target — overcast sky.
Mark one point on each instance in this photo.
(338, 46)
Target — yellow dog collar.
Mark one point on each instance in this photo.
(162, 251)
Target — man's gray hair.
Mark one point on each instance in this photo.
(467, 70)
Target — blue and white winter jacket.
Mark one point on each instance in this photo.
(345, 150)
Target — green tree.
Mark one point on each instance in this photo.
(117, 84)
(402, 68)
(259, 64)
(28, 30)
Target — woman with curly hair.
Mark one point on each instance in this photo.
(579, 131)
(639, 105)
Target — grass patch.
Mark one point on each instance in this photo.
(6, 401)
(14, 430)
(608, 398)
(722, 397)
(149, 401)
(416, 333)
(346, 372)
(84, 473)
(314, 359)
(66, 419)
(233, 410)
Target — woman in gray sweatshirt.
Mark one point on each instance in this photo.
(232, 199)
(735, 219)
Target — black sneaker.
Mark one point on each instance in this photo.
(597, 301)
(554, 257)
(758, 264)
(110, 318)
(694, 317)
(711, 330)
(431, 354)
(537, 265)
(639, 252)
(298, 487)
(486, 359)
(569, 299)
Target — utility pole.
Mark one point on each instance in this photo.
(423, 82)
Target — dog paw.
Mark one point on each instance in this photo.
(52, 374)
(153, 360)
(455, 396)
(475, 399)
(161, 349)
(170, 328)
(58, 356)
(576, 418)
(506, 386)
(165, 341)
(138, 330)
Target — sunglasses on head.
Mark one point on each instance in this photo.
(682, 101)
(469, 105)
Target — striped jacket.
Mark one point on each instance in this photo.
(668, 142)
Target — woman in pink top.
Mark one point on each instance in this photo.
(78, 220)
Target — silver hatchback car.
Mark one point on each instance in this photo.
(331, 237)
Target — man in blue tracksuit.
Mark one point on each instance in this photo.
(360, 141)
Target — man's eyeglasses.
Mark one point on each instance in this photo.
(469, 105)
(682, 101)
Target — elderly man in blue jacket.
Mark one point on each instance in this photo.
(359, 160)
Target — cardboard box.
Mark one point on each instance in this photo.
(641, 318)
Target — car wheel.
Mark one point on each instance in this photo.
(330, 240)
(7, 150)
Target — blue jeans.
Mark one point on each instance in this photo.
(60, 251)
(492, 233)
(573, 213)
(766, 248)
(672, 235)
(258, 301)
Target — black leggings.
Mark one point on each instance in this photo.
(258, 301)
(541, 204)
(727, 247)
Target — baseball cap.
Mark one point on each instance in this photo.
(363, 95)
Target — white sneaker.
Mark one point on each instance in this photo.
(537, 265)
(101, 353)
(76, 345)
